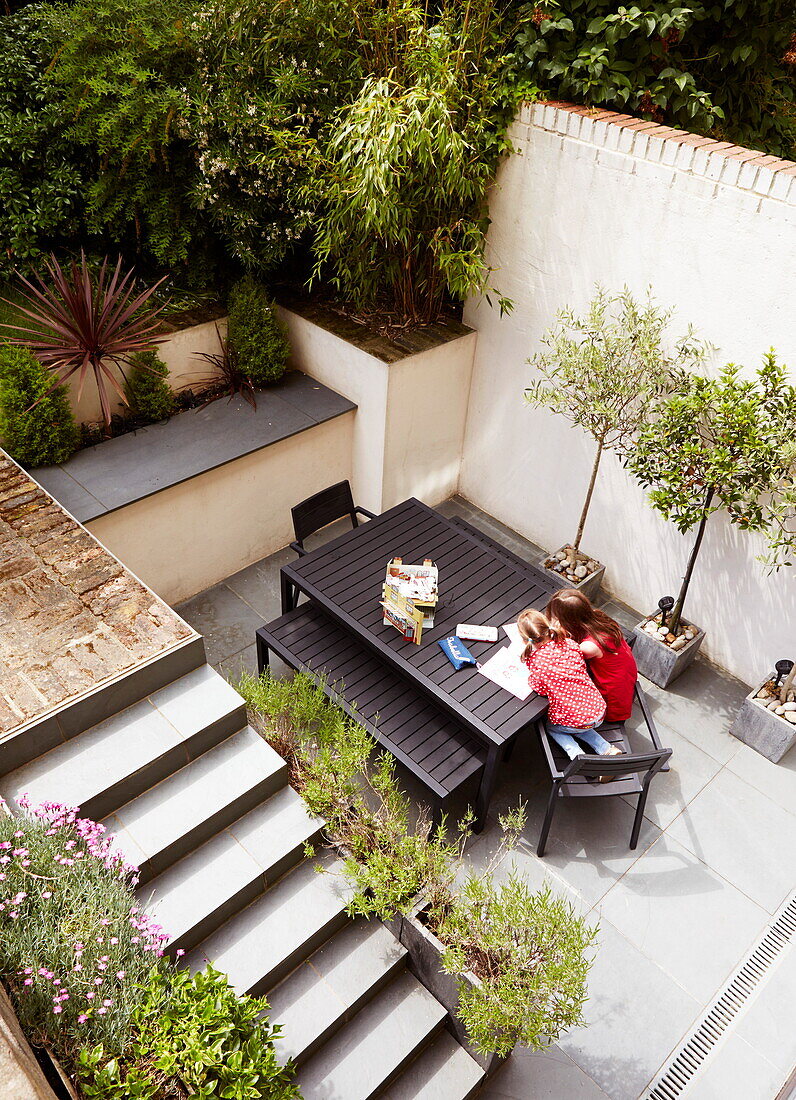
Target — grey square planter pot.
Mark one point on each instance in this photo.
(657, 661)
(767, 733)
(425, 953)
(589, 586)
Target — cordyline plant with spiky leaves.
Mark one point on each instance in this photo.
(80, 322)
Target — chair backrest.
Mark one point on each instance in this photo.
(323, 508)
(591, 766)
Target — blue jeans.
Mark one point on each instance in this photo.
(565, 737)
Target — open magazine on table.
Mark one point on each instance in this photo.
(507, 669)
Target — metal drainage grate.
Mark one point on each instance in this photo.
(675, 1077)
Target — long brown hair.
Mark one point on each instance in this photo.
(534, 627)
(574, 612)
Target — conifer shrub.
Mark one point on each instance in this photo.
(36, 430)
(256, 333)
(149, 395)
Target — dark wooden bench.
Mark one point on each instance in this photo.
(401, 719)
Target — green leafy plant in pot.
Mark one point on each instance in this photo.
(604, 370)
(716, 444)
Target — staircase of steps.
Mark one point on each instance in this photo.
(200, 803)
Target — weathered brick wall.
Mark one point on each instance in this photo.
(70, 615)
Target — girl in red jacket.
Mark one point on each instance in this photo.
(558, 670)
(611, 663)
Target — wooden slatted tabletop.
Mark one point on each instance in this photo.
(477, 584)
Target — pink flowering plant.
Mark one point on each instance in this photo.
(75, 947)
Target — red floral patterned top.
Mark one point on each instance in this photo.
(558, 670)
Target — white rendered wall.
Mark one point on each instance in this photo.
(602, 204)
(411, 413)
(195, 534)
(180, 352)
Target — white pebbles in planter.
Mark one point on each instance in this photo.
(765, 723)
(584, 573)
(662, 656)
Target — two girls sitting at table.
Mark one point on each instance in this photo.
(559, 643)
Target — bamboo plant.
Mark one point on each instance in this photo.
(604, 371)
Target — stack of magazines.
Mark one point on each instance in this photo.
(409, 597)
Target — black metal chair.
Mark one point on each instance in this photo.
(312, 515)
(631, 773)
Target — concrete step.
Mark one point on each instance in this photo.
(259, 946)
(195, 896)
(174, 817)
(442, 1070)
(327, 990)
(121, 757)
(365, 1056)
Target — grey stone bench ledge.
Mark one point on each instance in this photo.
(111, 475)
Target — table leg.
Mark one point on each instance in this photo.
(262, 655)
(487, 787)
(287, 593)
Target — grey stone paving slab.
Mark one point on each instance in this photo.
(258, 584)
(269, 937)
(123, 842)
(690, 769)
(777, 781)
(701, 705)
(199, 699)
(227, 622)
(141, 463)
(204, 887)
(311, 397)
(588, 846)
(381, 1038)
(97, 760)
(767, 1021)
(227, 778)
(443, 1069)
(541, 1075)
(736, 1070)
(744, 836)
(636, 1014)
(275, 830)
(683, 916)
(333, 982)
(70, 494)
(245, 661)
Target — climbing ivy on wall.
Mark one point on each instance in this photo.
(726, 67)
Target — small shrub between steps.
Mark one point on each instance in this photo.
(529, 950)
(86, 972)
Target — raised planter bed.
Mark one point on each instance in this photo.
(411, 388)
(766, 724)
(191, 500)
(586, 575)
(425, 955)
(660, 662)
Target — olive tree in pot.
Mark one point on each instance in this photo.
(716, 444)
(604, 371)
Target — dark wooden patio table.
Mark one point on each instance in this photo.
(477, 584)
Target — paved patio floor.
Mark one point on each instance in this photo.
(716, 860)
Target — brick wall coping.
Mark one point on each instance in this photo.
(734, 165)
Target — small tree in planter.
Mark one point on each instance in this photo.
(718, 443)
(604, 371)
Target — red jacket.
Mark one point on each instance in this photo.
(615, 674)
(558, 670)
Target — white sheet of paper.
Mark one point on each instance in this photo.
(507, 670)
(515, 637)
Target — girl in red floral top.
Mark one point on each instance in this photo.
(558, 670)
